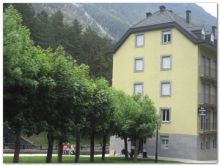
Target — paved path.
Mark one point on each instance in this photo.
(185, 160)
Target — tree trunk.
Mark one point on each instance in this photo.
(92, 138)
(126, 147)
(77, 152)
(103, 146)
(136, 149)
(50, 140)
(60, 151)
(17, 147)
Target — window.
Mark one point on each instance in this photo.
(207, 144)
(206, 66)
(213, 68)
(164, 142)
(138, 88)
(202, 123)
(139, 40)
(214, 144)
(166, 37)
(165, 62)
(139, 64)
(214, 120)
(206, 93)
(203, 143)
(165, 115)
(165, 89)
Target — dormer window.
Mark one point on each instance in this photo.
(203, 34)
(211, 38)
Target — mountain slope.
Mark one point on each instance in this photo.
(113, 19)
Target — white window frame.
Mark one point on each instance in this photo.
(135, 64)
(161, 88)
(165, 139)
(165, 34)
(162, 62)
(162, 109)
(134, 87)
(136, 40)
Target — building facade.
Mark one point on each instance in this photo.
(174, 62)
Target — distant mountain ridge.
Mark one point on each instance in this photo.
(113, 19)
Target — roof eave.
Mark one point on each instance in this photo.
(154, 27)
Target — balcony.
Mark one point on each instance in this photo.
(208, 99)
(208, 127)
(208, 73)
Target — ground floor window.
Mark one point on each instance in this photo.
(214, 143)
(202, 144)
(207, 144)
(164, 142)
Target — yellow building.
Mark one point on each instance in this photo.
(172, 61)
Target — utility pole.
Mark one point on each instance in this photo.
(156, 152)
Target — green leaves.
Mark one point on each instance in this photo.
(135, 117)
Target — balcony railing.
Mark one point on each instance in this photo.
(208, 73)
(206, 127)
(210, 99)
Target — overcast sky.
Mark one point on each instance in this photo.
(209, 7)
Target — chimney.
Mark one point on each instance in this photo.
(214, 28)
(188, 17)
(148, 14)
(162, 8)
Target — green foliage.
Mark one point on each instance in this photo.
(20, 70)
(135, 117)
(40, 30)
(47, 90)
(100, 106)
(85, 46)
(95, 54)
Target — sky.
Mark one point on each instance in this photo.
(211, 8)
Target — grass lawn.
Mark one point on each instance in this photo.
(70, 159)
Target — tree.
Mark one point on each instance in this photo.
(73, 40)
(144, 121)
(27, 12)
(99, 111)
(95, 54)
(41, 30)
(125, 109)
(21, 69)
(135, 118)
(56, 29)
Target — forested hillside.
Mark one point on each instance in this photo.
(83, 44)
(113, 19)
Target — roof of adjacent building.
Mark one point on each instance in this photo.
(165, 19)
